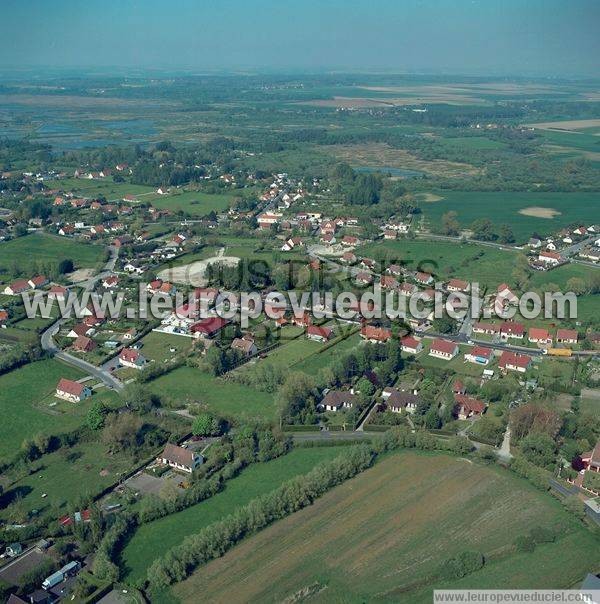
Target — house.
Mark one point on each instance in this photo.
(467, 406)
(534, 243)
(411, 345)
(110, 281)
(319, 333)
(57, 292)
(17, 287)
(479, 355)
(388, 282)
(292, 243)
(486, 328)
(407, 289)
(38, 281)
(132, 358)
(122, 240)
(364, 278)
(154, 286)
(394, 269)
(423, 278)
(591, 459)
(511, 329)
(66, 230)
(512, 361)
(72, 391)
(375, 335)
(81, 329)
(84, 344)
(180, 458)
(3, 316)
(504, 293)
(244, 345)
(458, 285)
(348, 257)
(390, 234)
(335, 400)
(349, 240)
(538, 335)
(398, 401)
(443, 349)
(458, 387)
(566, 336)
(550, 258)
(368, 263)
(302, 319)
(208, 328)
(328, 239)
(163, 190)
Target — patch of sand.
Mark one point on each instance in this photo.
(538, 212)
(82, 274)
(195, 273)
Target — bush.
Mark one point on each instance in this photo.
(462, 565)
(541, 534)
(524, 543)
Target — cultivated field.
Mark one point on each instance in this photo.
(152, 539)
(383, 535)
(554, 210)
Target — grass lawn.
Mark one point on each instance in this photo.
(559, 276)
(503, 208)
(43, 248)
(383, 534)
(113, 191)
(457, 364)
(156, 346)
(317, 361)
(188, 384)
(192, 202)
(472, 262)
(69, 474)
(154, 538)
(26, 404)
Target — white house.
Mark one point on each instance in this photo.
(72, 391)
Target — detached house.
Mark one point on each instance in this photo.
(538, 335)
(17, 287)
(132, 358)
(208, 328)
(72, 391)
(375, 335)
(423, 278)
(244, 345)
(318, 333)
(479, 355)
(38, 281)
(512, 361)
(511, 329)
(411, 345)
(458, 285)
(467, 407)
(550, 258)
(398, 401)
(180, 459)
(84, 344)
(443, 349)
(566, 336)
(335, 400)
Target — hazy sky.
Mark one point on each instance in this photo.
(453, 36)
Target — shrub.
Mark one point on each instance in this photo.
(462, 565)
(524, 543)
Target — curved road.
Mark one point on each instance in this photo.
(47, 337)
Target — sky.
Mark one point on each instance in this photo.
(511, 37)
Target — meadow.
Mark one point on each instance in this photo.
(42, 248)
(25, 398)
(384, 534)
(475, 263)
(156, 346)
(194, 203)
(503, 208)
(190, 385)
(154, 538)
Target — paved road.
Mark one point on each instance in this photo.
(47, 338)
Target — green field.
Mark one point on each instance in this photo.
(383, 535)
(503, 208)
(188, 384)
(112, 191)
(30, 251)
(312, 364)
(25, 398)
(81, 471)
(156, 346)
(195, 203)
(475, 263)
(153, 539)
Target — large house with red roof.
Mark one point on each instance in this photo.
(566, 336)
(467, 406)
(84, 344)
(443, 349)
(319, 333)
(512, 329)
(513, 361)
(411, 345)
(479, 355)
(375, 335)
(208, 328)
(72, 391)
(179, 458)
(17, 287)
(538, 335)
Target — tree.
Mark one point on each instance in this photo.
(121, 431)
(506, 234)
(294, 394)
(206, 425)
(539, 449)
(483, 229)
(96, 415)
(138, 397)
(450, 224)
(65, 266)
(577, 285)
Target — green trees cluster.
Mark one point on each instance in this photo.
(462, 565)
(104, 567)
